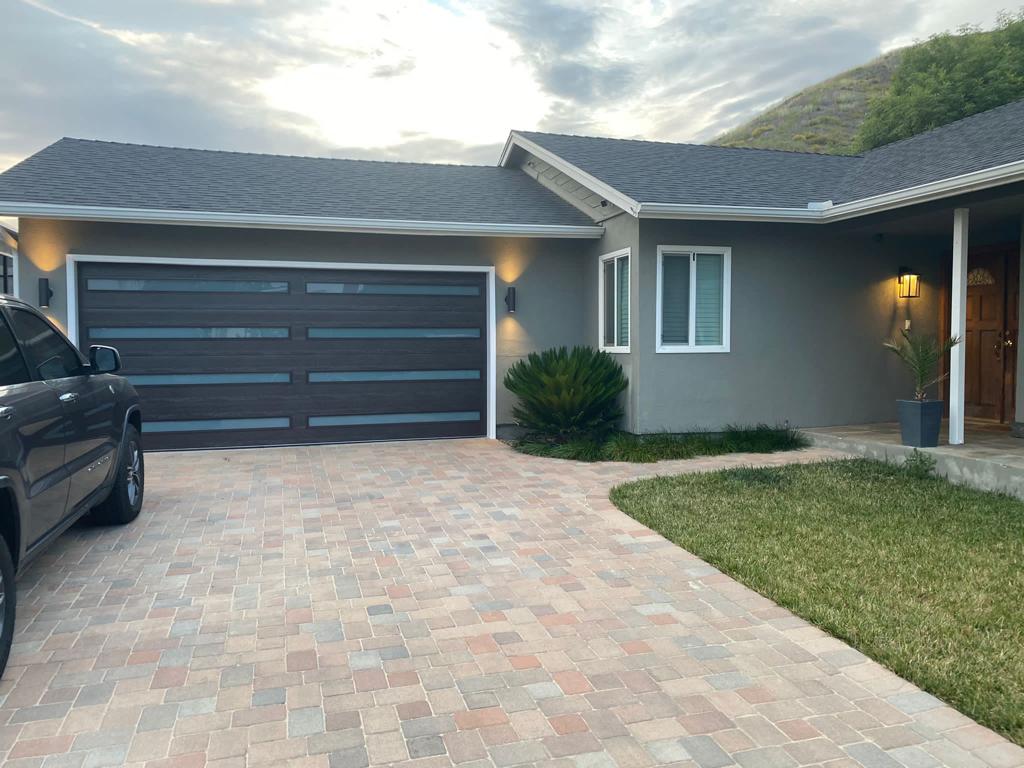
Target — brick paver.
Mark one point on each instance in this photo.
(452, 603)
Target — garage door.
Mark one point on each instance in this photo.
(226, 356)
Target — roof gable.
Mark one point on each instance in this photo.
(698, 174)
(697, 180)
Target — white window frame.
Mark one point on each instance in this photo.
(614, 256)
(692, 346)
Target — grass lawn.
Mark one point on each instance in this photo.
(623, 446)
(921, 575)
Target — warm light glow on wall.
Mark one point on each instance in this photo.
(510, 262)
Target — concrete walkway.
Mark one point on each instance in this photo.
(448, 603)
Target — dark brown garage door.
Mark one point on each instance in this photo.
(227, 356)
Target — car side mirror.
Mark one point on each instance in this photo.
(104, 359)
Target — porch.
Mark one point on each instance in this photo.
(990, 458)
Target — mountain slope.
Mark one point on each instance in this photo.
(822, 118)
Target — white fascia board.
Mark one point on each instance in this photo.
(315, 223)
(727, 212)
(578, 175)
(922, 193)
(975, 181)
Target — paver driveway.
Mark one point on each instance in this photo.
(450, 602)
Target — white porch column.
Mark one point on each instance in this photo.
(1018, 419)
(958, 327)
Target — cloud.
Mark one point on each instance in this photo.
(71, 76)
(428, 80)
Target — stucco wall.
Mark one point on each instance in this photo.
(622, 231)
(546, 273)
(811, 306)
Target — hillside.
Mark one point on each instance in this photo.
(822, 118)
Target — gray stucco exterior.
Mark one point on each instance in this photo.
(810, 306)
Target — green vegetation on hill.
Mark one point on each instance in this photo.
(903, 93)
(947, 78)
(822, 118)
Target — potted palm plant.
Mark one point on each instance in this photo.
(921, 418)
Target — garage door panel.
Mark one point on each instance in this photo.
(231, 304)
(273, 318)
(273, 356)
(383, 354)
(250, 400)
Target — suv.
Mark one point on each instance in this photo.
(69, 444)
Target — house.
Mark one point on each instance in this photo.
(8, 248)
(262, 299)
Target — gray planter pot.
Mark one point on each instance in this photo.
(919, 422)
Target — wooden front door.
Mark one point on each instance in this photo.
(991, 324)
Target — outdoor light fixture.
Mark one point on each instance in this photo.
(510, 299)
(45, 294)
(909, 284)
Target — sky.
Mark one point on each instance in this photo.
(425, 80)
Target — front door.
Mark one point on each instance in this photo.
(991, 333)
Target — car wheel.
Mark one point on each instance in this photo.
(8, 601)
(125, 500)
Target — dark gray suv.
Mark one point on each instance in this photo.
(69, 443)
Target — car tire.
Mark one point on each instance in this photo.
(8, 603)
(124, 503)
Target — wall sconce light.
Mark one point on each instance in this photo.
(45, 294)
(510, 299)
(909, 284)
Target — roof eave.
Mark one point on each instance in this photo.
(1007, 173)
(279, 221)
(986, 178)
(725, 212)
(608, 192)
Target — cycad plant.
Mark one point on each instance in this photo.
(567, 394)
(922, 355)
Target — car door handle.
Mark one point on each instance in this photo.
(6, 412)
(69, 397)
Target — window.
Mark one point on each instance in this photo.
(164, 332)
(614, 301)
(46, 351)
(393, 289)
(12, 364)
(393, 333)
(693, 298)
(186, 285)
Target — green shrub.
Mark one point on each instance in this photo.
(659, 446)
(567, 395)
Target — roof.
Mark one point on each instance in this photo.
(109, 175)
(99, 180)
(700, 174)
(658, 175)
(985, 140)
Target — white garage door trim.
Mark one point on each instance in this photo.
(492, 357)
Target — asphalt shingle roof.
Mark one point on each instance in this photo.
(109, 174)
(698, 174)
(985, 140)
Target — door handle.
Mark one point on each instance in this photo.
(69, 397)
(6, 412)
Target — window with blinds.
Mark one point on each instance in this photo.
(693, 299)
(614, 299)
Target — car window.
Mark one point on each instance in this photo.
(46, 351)
(12, 364)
